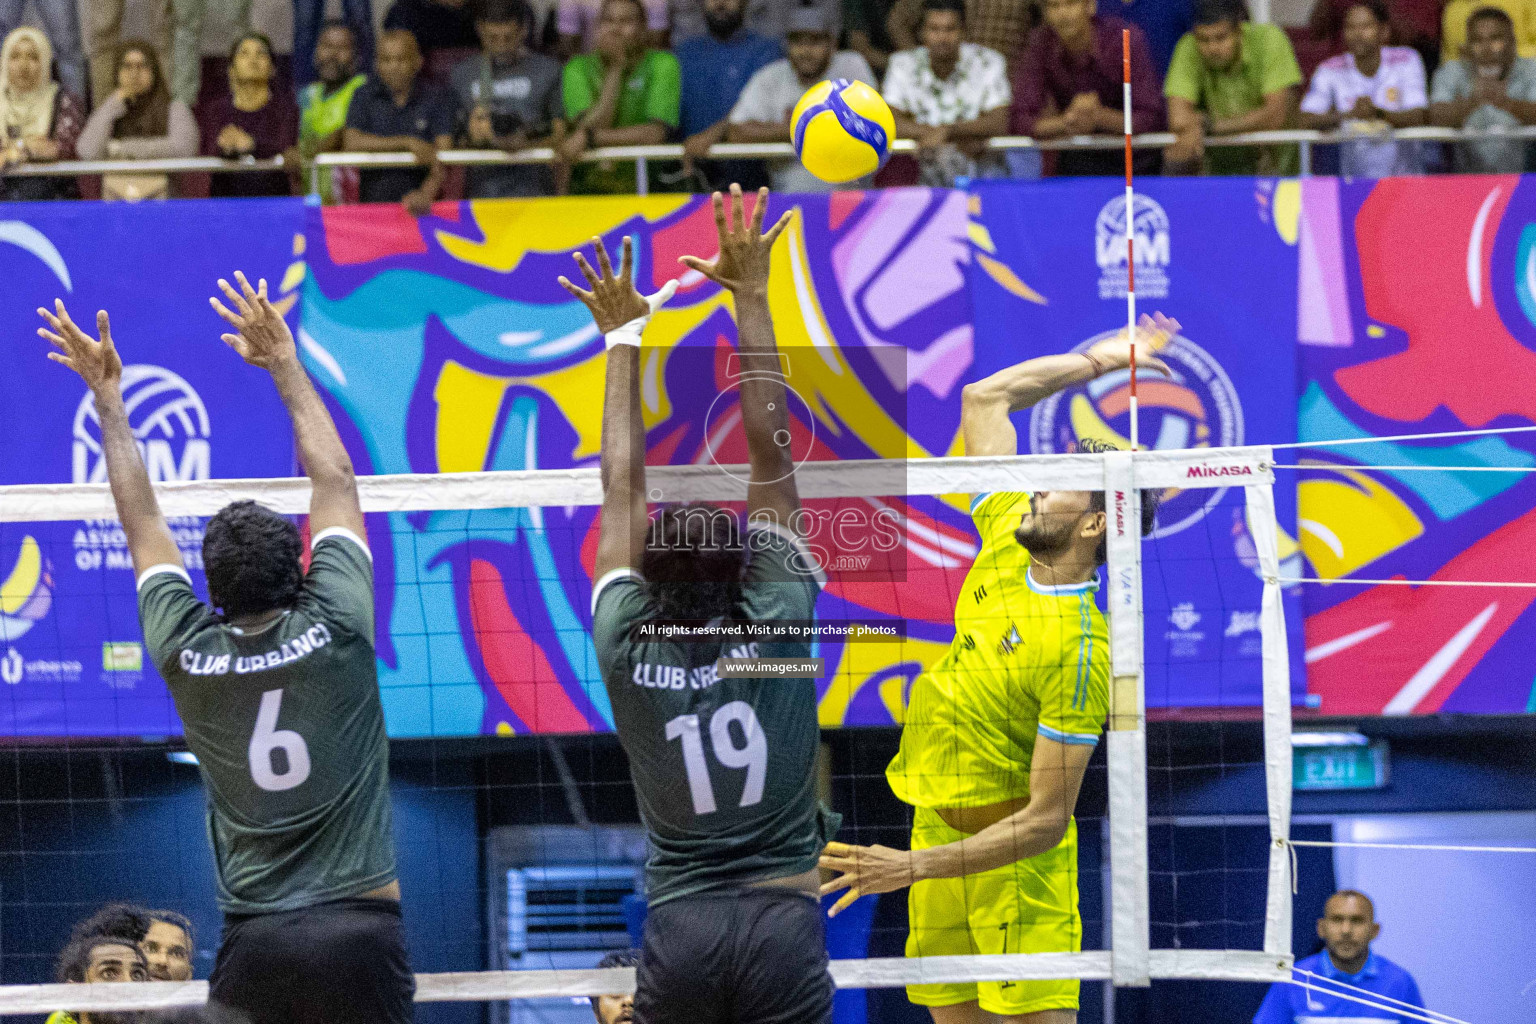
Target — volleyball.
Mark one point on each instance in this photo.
(842, 130)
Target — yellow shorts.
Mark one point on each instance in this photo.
(1026, 907)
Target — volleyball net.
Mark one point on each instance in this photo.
(545, 797)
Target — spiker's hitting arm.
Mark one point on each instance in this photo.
(98, 364)
(985, 405)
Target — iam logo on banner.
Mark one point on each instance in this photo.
(168, 419)
(1150, 223)
(1197, 408)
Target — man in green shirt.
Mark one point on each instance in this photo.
(621, 94)
(277, 689)
(1230, 76)
(323, 104)
(723, 764)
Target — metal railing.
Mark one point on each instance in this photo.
(641, 155)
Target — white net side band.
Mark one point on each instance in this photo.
(890, 972)
(425, 492)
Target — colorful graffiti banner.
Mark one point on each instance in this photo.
(444, 344)
(1410, 322)
(71, 657)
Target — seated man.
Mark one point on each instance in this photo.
(1370, 87)
(951, 96)
(715, 68)
(623, 93)
(98, 958)
(393, 112)
(1454, 30)
(1070, 80)
(1490, 87)
(1230, 76)
(323, 104)
(509, 99)
(762, 112)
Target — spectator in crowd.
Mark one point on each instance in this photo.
(950, 96)
(436, 24)
(715, 68)
(765, 17)
(1347, 928)
(1490, 87)
(1414, 23)
(138, 121)
(251, 120)
(1456, 29)
(623, 93)
(868, 36)
(613, 1009)
(1369, 88)
(396, 111)
(310, 23)
(1001, 25)
(61, 22)
(762, 112)
(1070, 81)
(323, 104)
(97, 958)
(577, 23)
(1163, 23)
(509, 99)
(39, 119)
(1230, 76)
(167, 946)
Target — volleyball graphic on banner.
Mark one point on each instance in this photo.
(842, 130)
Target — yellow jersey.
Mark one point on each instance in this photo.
(1027, 660)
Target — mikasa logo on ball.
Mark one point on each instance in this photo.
(169, 422)
(1150, 223)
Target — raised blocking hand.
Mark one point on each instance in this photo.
(614, 300)
(263, 338)
(745, 249)
(97, 362)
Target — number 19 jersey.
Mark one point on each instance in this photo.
(288, 730)
(724, 768)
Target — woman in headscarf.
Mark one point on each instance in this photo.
(39, 121)
(139, 121)
(253, 119)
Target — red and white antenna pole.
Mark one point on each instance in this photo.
(1130, 233)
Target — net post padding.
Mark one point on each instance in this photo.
(546, 488)
(888, 972)
(1126, 753)
(1277, 718)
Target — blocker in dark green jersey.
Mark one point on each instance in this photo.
(724, 768)
(288, 730)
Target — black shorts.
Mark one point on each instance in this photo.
(741, 956)
(335, 963)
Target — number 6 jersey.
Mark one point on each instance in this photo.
(288, 730)
(724, 768)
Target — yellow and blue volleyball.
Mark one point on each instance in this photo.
(842, 130)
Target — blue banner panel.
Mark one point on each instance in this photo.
(71, 660)
(1049, 276)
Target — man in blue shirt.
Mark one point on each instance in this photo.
(715, 68)
(1347, 927)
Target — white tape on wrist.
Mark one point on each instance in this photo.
(629, 334)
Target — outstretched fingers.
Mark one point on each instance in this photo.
(626, 259)
(235, 298)
(218, 307)
(760, 211)
(738, 210)
(703, 267)
(603, 262)
(587, 271)
(720, 225)
(779, 225)
(580, 293)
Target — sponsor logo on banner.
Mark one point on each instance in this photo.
(1197, 407)
(169, 422)
(11, 668)
(1150, 224)
(122, 657)
(1183, 639)
(1242, 622)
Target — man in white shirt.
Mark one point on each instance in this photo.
(1369, 88)
(762, 112)
(950, 96)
